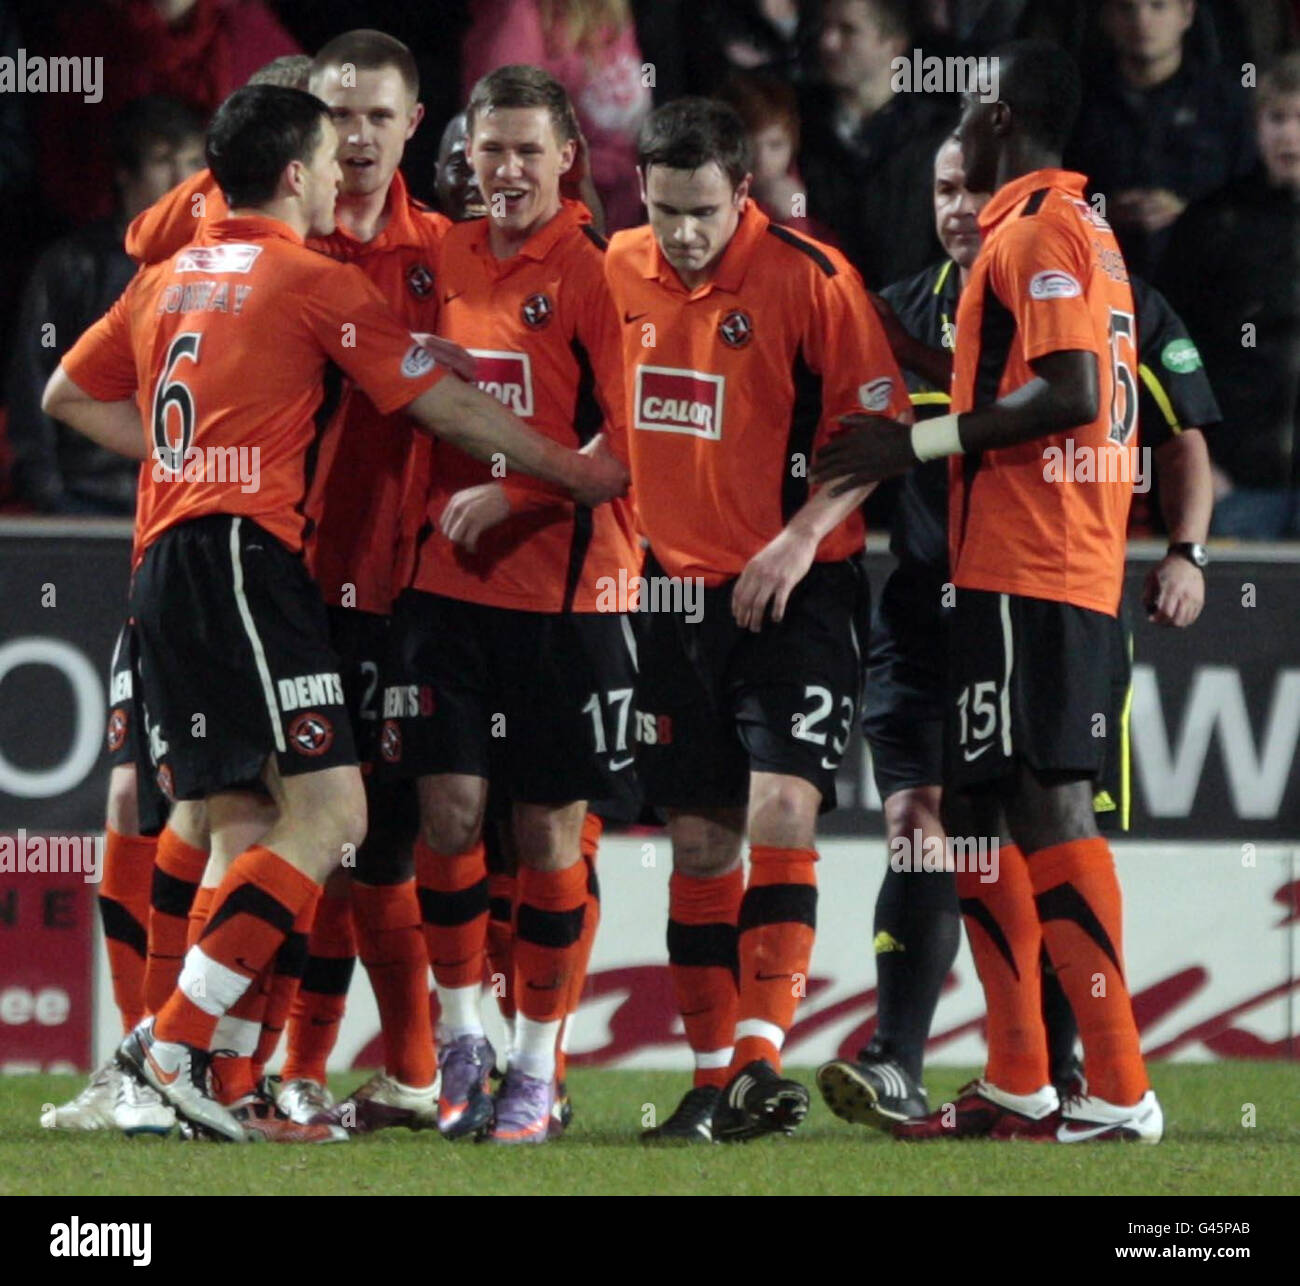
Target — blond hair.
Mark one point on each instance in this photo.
(583, 25)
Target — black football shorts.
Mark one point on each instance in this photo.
(234, 662)
(718, 702)
(1029, 680)
(538, 703)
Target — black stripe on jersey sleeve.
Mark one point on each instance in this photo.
(805, 415)
(807, 247)
(1035, 203)
(594, 237)
(587, 422)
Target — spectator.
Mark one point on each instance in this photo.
(156, 143)
(776, 36)
(197, 51)
(1160, 126)
(867, 151)
(768, 106)
(1233, 272)
(590, 47)
(1254, 31)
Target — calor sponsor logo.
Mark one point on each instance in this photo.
(676, 401)
(508, 377)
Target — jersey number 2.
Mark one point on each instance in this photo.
(171, 393)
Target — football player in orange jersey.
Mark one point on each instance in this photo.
(1044, 369)
(228, 623)
(744, 343)
(369, 82)
(507, 669)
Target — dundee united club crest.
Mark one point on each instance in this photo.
(311, 734)
(537, 310)
(736, 328)
(419, 280)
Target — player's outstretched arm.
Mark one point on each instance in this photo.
(1063, 395)
(483, 428)
(115, 425)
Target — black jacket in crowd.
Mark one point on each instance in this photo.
(55, 468)
(1234, 261)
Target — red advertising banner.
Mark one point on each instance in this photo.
(46, 965)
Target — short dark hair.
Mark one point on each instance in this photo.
(293, 71)
(895, 17)
(255, 133)
(688, 133)
(1041, 84)
(145, 121)
(370, 50)
(519, 85)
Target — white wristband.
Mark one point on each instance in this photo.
(932, 439)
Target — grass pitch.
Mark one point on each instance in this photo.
(1209, 1149)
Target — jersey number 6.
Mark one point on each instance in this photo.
(167, 451)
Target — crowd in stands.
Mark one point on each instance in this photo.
(1190, 137)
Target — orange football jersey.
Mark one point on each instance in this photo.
(224, 348)
(355, 503)
(1045, 518)
(732, 387)
(545, 339)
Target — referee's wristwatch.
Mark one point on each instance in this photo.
(1190, 550)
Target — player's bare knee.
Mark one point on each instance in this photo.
(188, 821)
(783, 812)
(908, 811)
(123, 809)
(705, 847)
(451, 813)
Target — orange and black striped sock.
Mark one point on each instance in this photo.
(255, 908)
(287, 968)
(501, 942)
(178, 868)
(454, 908)
(124, 912)
(1077, 894)
(778, 921)
(1006, 941)
(198, 917)
(387, 918)
(703, 958)
(548, 934)
(317, 1009)
(592, 829)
